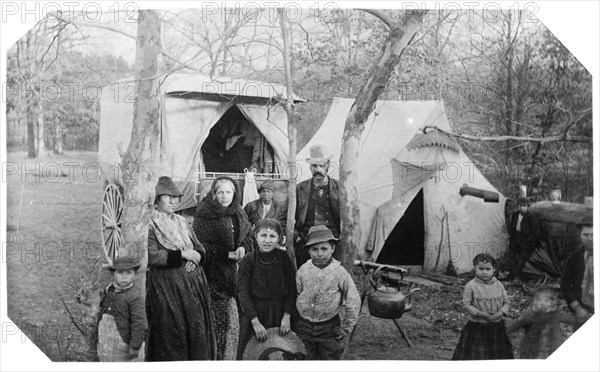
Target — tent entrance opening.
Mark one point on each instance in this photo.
(234, 144)
(405, 244)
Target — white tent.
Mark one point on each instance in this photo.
(190, 106)
(394, 211)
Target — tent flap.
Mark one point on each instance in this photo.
(386, 219)
(272, 123)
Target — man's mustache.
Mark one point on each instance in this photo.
(318, 174)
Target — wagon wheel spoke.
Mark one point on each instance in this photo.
(107, 222)
(108, 239)
(113, 250)
(113, 199)
(117, 204)
(112, 213)
(108, 210)
(119, 237)
(108, 199)
(119, 210)
(113, 246)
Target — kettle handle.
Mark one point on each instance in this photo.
(374, 279)
(411, 290)
(388, 268)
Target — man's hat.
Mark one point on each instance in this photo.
(166, 186)
(125, 263)
(318, 155)
(319, 234)
(268, 184)
(586, 221)
(276, 347)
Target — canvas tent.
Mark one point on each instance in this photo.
(216, 125)
(403, 192)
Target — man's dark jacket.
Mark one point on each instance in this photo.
(570, 283)
(303, 198)
(530, 227)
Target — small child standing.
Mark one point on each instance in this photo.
(324, 289)
(542, 324)
(122, 319)
(484, 336)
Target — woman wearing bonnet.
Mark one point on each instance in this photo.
(178, 302)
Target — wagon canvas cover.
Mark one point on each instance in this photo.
(190, 105)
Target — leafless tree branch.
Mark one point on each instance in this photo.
(561, 137)
(389, 22)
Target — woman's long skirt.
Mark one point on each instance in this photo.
(227, 327)
(181, 323)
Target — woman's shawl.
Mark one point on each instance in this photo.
(215, 228)
(172, 231)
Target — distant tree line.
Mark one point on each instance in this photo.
(53, 90)
(500, 74)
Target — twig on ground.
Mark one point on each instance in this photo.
(84, 333)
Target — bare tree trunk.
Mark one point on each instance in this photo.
(140, 159)
(58, 142)
(30, 118)
(292, 115)
(400, 36)
(30, 113)
(39, 137)
(509, 99)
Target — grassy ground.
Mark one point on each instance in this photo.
(54, 229)
(53, 222)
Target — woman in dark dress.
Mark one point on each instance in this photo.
(266, 286)
(222, 228)
(177, 300)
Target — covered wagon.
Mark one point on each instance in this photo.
(560, 237)
(208, 127)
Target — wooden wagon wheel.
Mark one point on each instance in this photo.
(112, 212)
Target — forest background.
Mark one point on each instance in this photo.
(499, 73)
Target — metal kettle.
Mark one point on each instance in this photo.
(388, 302)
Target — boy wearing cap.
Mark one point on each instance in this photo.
(122, 318)
(265, 206)
(577, 282)
(324, 289)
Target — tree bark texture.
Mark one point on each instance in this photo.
(30, 118)
(30, 115)
(292, 116)
(399, 38)
(58, 141)
(40, 147)
(140, 159)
